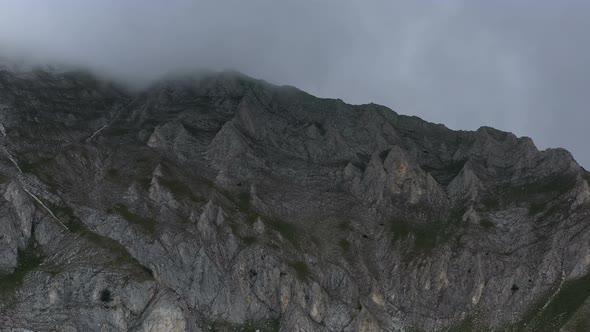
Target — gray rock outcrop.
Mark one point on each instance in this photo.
(224, 203)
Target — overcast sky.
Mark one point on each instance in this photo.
(520, 66)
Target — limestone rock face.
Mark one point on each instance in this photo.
(225, 203)
(17, 220)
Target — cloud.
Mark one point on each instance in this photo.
(519, 66)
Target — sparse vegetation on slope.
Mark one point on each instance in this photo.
(301, 270)
(28, 260)
(120, 255)
(246, 207)
(536, 193)
(180, 190)
(4, 178)
(554, 310)
(147, 224)
(288, 231)
(424, 236)
(268, 325)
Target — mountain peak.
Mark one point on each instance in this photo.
(218, 201)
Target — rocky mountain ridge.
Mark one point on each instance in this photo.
(221, 203)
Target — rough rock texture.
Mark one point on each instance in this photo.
(224, 203)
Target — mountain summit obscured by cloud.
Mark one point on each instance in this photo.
(518, 66)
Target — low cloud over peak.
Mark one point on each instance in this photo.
(518, 66)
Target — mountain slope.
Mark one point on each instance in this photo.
(226, 203)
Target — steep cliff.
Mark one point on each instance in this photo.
(221, 203)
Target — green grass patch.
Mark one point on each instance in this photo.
(301, 270)
(143, 171)
(558, 183)
(121, 255)
(554, 210)
(246, 208)
(180, 190)
(33, 167)
(28, 260)
(537, 207)
(345, 245)
(244, 201)
(145, 182)
(425, 241)
(425, 236)
(4, 178)
(490, 202)
(538, 191)
(465, 325)
(63, 213)
(112, 175)
(249, 240)
(266, 325)
(288, 231)
(344, 226)
(401, 229)
(440, 229)
(486, 223)
(148, 224)
(560, 309)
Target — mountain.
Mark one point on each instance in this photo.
(223, 203)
